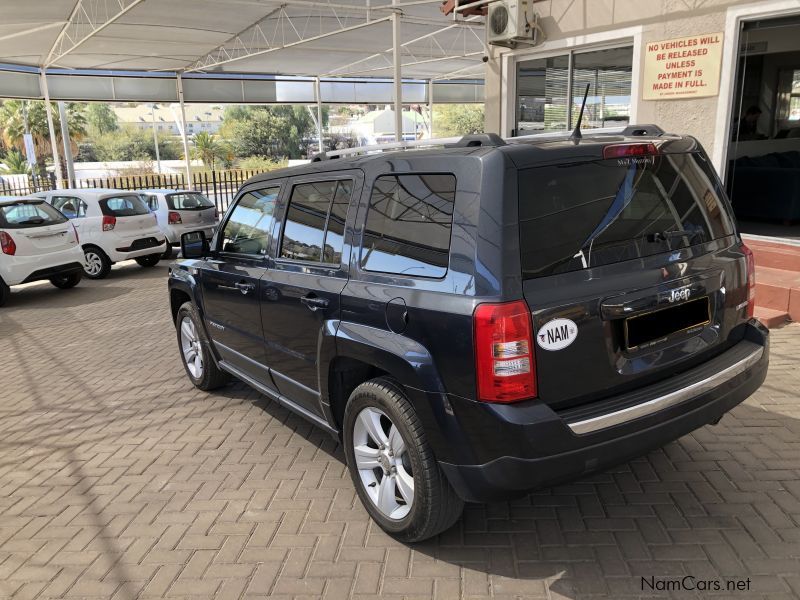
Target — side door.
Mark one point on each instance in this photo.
(302, 290)
(230, 281)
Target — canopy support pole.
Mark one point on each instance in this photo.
(62, 117)
(53, 141)
(430, 107)
(398, 76)
(184, 136)
(318, 97)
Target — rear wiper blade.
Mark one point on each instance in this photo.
(663, 236)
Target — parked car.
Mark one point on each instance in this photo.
(113, 225)
(179, 212)
(36, 243)
(481, 320)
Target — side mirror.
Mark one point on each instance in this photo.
(194, 245)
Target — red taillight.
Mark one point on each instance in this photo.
(109, 222)
(75, 231)
(505, 366)
(7, 244)
(174, 218)
(751, 280)
(622, 150)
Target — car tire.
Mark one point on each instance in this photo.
(380, 409)
(98, 265)
(194, 344)
(168, 252)
(5, 293)
(151, 260)
(65, 282)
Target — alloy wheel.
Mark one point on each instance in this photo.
(383, 463)
(94, 264)
(191, 348)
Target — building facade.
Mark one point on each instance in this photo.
(690, 66)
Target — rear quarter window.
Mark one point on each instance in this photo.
(408, 226)
(582, 215)
(29, 214)
(123, 206)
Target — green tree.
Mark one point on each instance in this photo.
(209, 149)
(15, 162)
(13, 114)
(131, 143)
(457, 119)
(101, 118)
(272, 131)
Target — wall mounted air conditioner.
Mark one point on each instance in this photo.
(511, 23)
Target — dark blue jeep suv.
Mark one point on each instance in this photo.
(480, 318)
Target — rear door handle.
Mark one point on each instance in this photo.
(314, 303)
(244, 286)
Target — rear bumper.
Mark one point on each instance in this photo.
(24, 269)
(129, 251)
(553, 448)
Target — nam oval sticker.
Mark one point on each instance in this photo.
(557, 334)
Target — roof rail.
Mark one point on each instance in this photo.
(649, 130)
(479, 139)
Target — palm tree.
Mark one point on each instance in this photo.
(15, 163)
(14, 113)
(208, 149)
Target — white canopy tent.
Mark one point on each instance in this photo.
(308, 51)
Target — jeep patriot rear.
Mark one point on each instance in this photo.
(483, 318)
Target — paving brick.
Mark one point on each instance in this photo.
(128, 482)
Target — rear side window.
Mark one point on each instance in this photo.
(583, 215)
(188, 202)
(408, 225)
(314, 229)
(151, 201)
(123, 206)
(248, 228)
(29, 214)
(73, 208)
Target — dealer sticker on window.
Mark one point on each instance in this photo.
(557, 334)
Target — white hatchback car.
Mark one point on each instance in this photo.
(114, 225)
(181, 211)
(37, 242)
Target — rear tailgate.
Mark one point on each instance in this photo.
(632, 271)
(36, 228)
(132, 217)
(193, 208)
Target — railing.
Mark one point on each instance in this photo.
(218, 186)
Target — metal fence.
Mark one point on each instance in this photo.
(219, 186)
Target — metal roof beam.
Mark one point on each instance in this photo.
(258, 40)
(418, 62)
(88, 18)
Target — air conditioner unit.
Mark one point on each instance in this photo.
(511, 23)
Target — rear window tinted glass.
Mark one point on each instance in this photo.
(408, 226)
(584, 215)
(123, 206)
(248, 228)
(314, 227)
(188, 202)
(29, 214)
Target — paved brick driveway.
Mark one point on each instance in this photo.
(118, 479)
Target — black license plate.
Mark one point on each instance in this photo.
(650, 328)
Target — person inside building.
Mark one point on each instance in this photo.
(748, 125)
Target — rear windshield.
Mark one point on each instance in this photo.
(29, 214)
(188, 202)
(123, 206)
(582, 215)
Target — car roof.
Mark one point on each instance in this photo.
(167, 191)
(93, 193)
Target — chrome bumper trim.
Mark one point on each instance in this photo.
(651, 406)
